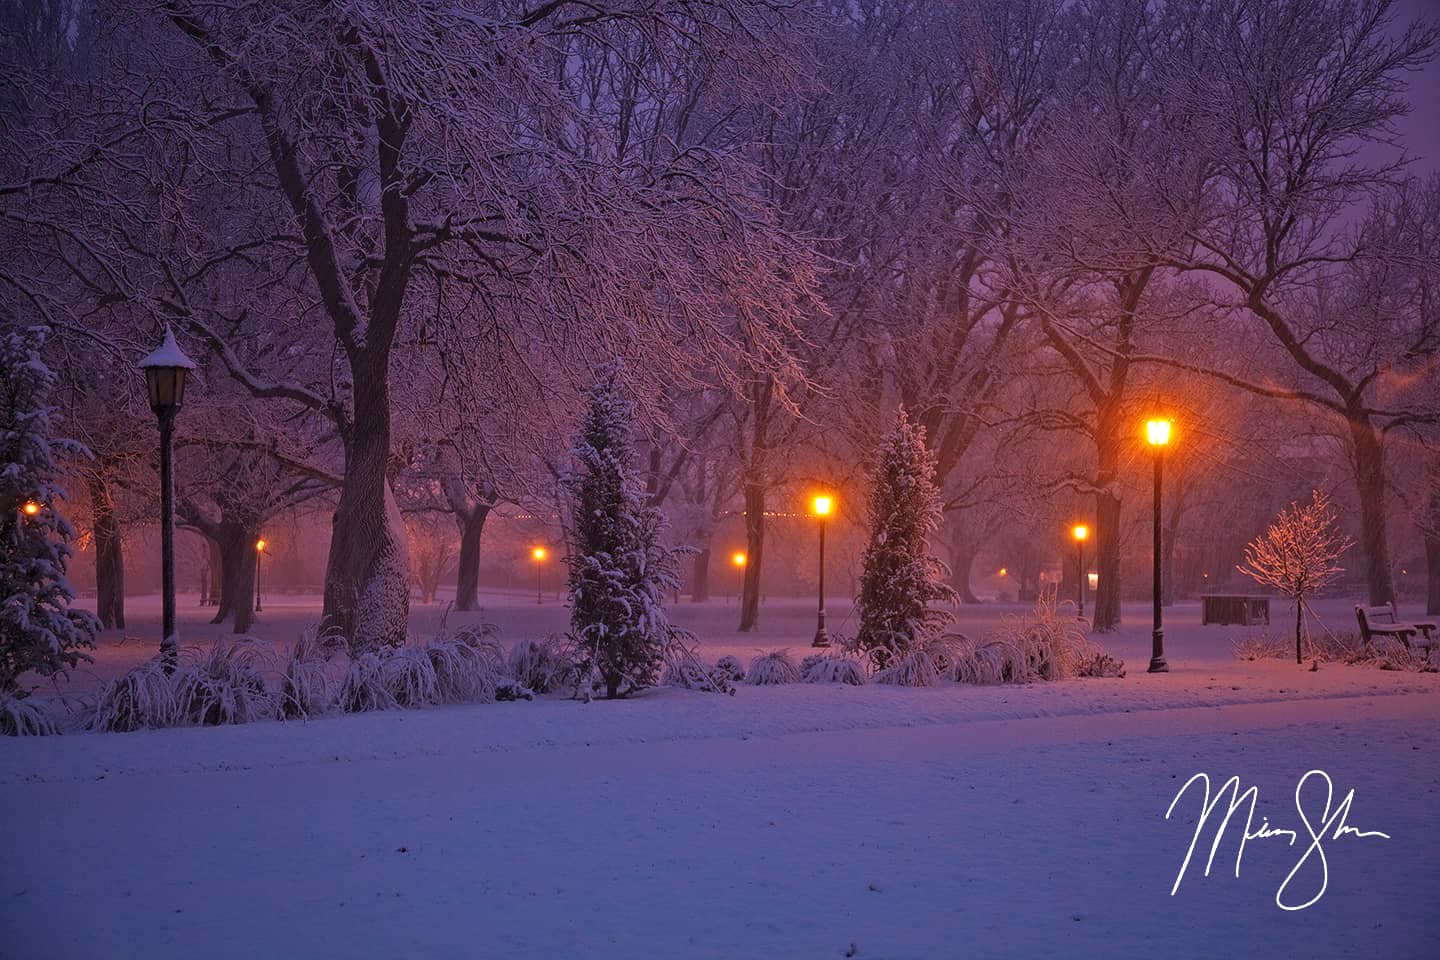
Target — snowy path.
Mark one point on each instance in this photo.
(934, 823)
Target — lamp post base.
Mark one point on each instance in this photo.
(1157, 659)
(822, 639)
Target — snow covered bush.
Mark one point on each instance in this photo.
(542, 665)
(1041, 646)
(39, 629)
(466, 669)
(142, 699)
(23, 717)
(1297, 555)
(619, 570)
(511, 691)
(1259, 646)
(408, 676)
(732, 668)
(832, 669)
(224, 686)
(684, 669)
(771, 669)
(364, 688)
(912, 668)
(305, 684)
(900, 580)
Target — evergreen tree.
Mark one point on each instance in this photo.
(900, 579)
(619, 571)
(39, 630)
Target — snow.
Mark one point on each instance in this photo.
(790, 821)
(168, 354)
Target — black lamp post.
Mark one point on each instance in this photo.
(539, 554)
(259, 553)
(1157, 432)
(166, 370)
(1080, 532)
(823, 505)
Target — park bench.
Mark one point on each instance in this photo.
(1381, 621)
(1233, 608)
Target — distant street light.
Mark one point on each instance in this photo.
(538, 554)
(259, 550)
(165, 373)
(1080, 533)
(823, 505)
(738, 559)
(31, 508)
(1157, 432)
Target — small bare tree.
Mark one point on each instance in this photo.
(1297, 555)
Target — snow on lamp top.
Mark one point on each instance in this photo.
(165, 372)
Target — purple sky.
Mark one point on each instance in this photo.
(1421, 129)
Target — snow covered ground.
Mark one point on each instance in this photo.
(798, 821)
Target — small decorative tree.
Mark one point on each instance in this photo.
(39, 630)
(1297, 555)
(619, 571)
(900, 579)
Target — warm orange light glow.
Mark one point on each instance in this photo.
(1001, 573)
(738, 559)
(823, 506)
(538, 553)
(1081, 531)
(260, 545)
(1094, 579)
(1157, 432)
(31, 508)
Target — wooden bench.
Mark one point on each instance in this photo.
(1381, 621)
(1226, 608)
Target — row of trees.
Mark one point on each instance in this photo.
(398, 238)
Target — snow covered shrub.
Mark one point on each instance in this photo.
(364, 688)
(771, 669)
(731, 665)
(686, 670)
(619, 570)
(900, 580)
(913, 668)
(305, 685)
(408, 676)
(465, 671)
(22, 717)
(39, 629)
(142, 699)
(513, 690)
(542, 665)
(1260, 646)
(832, 669)
(1041, 646)
(224, 686)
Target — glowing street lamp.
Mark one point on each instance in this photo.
(30, 509)
(166, 370)
(259, 549)
(1157, 432)
(1080, 533)
(822, 505)
(738, 561)
(538, 555)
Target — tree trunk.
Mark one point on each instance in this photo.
(1107, 562)
(700, 577)
(964, 556)
(212, 550)
(754, 550)
(109, 559)
(236, 544)
(467, 575)
(367, 575)
(1370, 483)
(1432, 573)
(1299, 610)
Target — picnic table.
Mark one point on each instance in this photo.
(1234, 608)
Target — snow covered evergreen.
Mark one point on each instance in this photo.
(39, 629)
(900, 579)
(619, 570)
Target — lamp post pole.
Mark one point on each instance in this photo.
(1080, 576)
(1158, 432)
(169, 643)
(822, 510)
(259, 552)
